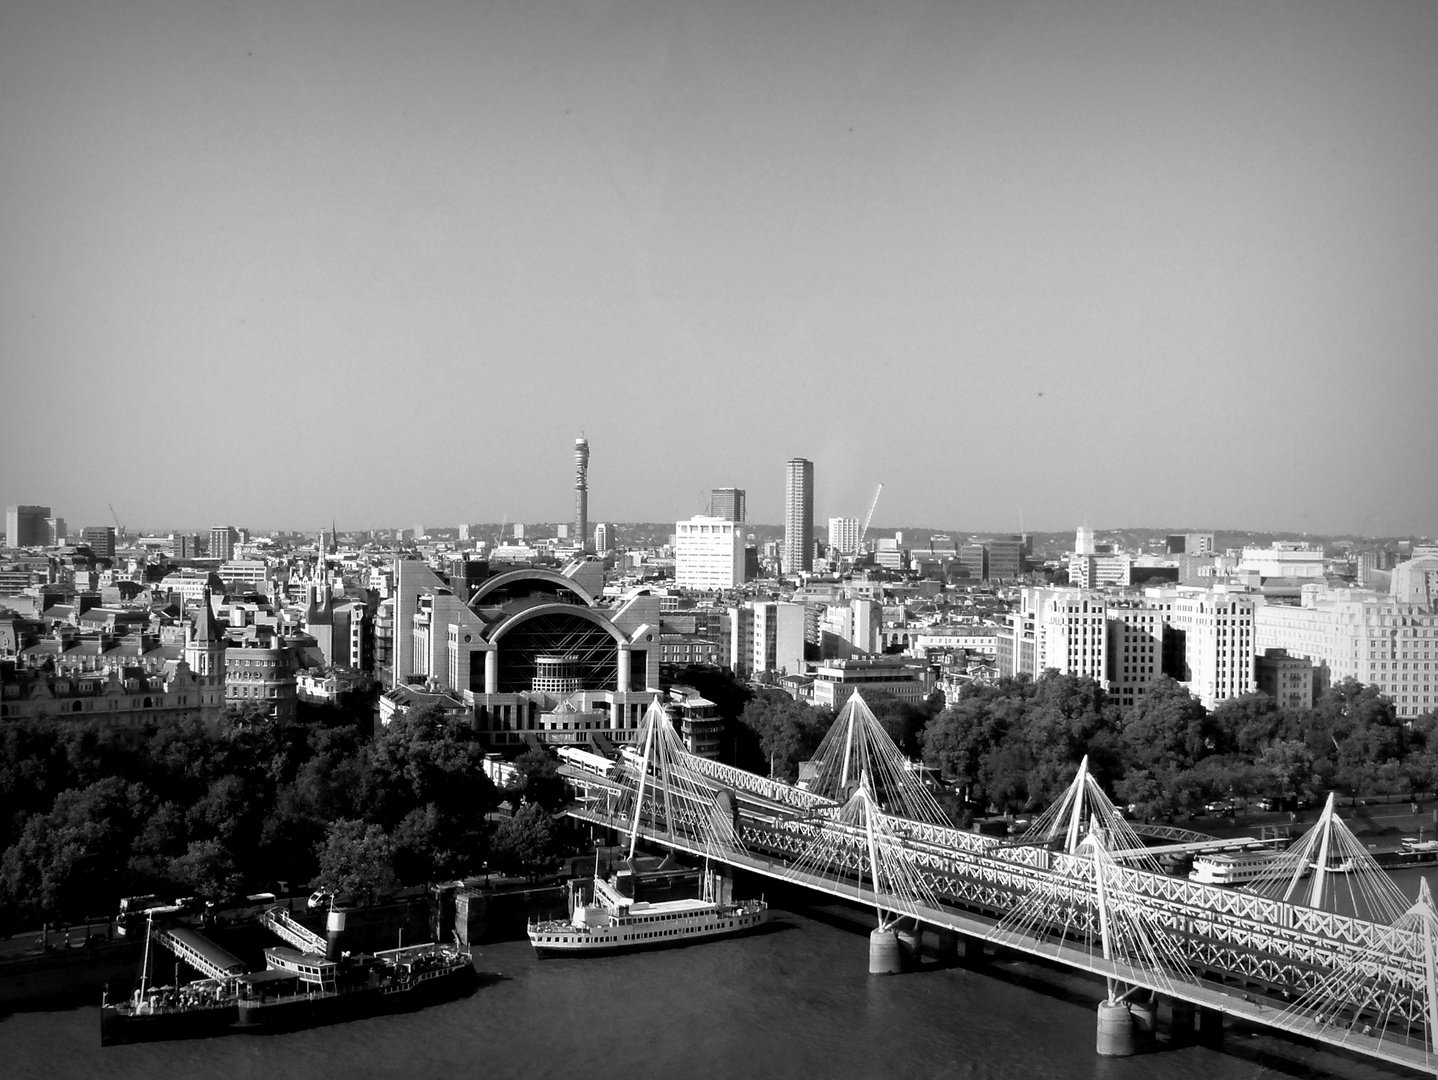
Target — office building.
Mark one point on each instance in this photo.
(603, 537)
(844, 535)
(766, 637)
(1288, 680)
(25, 526)
(1006, 557)
(798, 516)
(708, 554)
(1190, 544)
(581, 490)
(974, 559)
(1135, 648)
(100, 539)
(1096, 571)
(836, 680)
(1285, 559)
(1384, 642)
(55, 531)
(727, 503)
(222, 542)
(1218, 643)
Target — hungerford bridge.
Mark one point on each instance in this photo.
(1320, 944)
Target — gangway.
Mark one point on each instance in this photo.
(201, 953)
(286, 926)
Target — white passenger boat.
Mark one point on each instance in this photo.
(612, 922)
(1231, 868)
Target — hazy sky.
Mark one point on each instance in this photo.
(270, 263)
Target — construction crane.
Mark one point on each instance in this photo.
(119, 529)
(864, 531)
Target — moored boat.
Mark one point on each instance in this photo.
(1231, 868)
(304, 989)
(612, 922)
(153, 1013)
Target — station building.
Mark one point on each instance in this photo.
(532, 653)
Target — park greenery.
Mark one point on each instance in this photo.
(89, 814)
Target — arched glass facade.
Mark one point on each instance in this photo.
(554, 633)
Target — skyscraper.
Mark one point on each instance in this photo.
(25, 525)
(798, 515)
(727, 503)
(581, 490)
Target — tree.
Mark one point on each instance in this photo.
(206, 870)
(72, 861)
(789, 731)
(1169, 730)
(526, 841)
(356, 861)
(536, 780)
(903, 721)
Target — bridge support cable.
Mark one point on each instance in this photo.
(857, 744)
(857, 850)
(1330, 869)
(658, 790)
(1082, 805)
(1382, 996)
(1085, 901)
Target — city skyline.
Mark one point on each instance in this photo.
(1110, 262)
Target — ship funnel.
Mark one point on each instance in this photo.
(335, 932)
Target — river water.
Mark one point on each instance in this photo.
(795, 1001)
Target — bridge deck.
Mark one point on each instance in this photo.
(1201, 993)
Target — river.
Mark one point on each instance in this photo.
(795, 1001)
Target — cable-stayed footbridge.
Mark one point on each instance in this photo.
(1321, 946)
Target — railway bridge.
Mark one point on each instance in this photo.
(1321, 945)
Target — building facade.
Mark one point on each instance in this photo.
(844, 535)
(100, 539)
(728, 503)
(798, 516)
(708, 554)
(25, 526)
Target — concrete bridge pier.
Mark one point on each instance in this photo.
(1116, 1035)
(885, 955)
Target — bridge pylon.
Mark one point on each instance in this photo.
(859, 850)
(1380, 995)
(660, 790)
(1330, 869)
(1084, 806)
(857, 744)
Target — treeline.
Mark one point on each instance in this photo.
(88, 815)
(1015, 744)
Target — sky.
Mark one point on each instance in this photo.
(1129, 263)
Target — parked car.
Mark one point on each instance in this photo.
(319, 899)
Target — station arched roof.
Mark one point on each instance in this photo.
(546, 580)
(572, 610)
